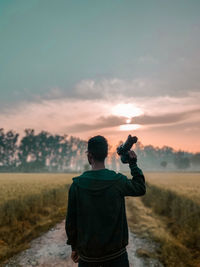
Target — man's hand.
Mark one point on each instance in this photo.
(132, 156)
(75, 256)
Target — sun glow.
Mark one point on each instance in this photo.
(129, 127)
(126, 110)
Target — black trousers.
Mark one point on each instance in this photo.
(121, 261)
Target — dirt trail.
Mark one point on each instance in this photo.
(51, 250)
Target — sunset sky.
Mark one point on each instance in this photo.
(109, 67)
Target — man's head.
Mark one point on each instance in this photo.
(97, 148)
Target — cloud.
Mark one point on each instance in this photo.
(163, 104)
(178, 77)
(100, 123)
(115, 88)
(113, 121)
(52, 115)
(172, 69)
(165, 119)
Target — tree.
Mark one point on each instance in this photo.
(78, 156)
(26, 150)
(163, 164)
(195, 159)
(181, 161)
(113, 160)
(8, 149)
(86, 167)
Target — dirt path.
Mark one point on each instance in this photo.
(51, 250)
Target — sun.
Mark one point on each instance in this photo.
(129, 111)
(126, 110)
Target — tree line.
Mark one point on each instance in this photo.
(45, 152)
(40, 152)
(152, 158)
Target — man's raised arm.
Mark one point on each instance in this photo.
(135, 186)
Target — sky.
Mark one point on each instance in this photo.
(109, 67)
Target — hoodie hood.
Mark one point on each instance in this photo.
(96, 181)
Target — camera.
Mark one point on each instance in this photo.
(123, 149)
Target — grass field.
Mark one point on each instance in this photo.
(175, 198)
(169, 212)
(19, 185)
(29, 205)
(185, 184)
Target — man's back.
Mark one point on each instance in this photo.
(96, 211)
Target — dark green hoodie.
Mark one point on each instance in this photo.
(96, 223)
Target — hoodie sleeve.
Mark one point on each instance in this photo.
(70, 223)
(136, 185)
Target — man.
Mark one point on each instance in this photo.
(96, 223)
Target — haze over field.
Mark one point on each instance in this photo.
(102, 67)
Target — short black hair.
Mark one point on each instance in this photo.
(98, 147)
